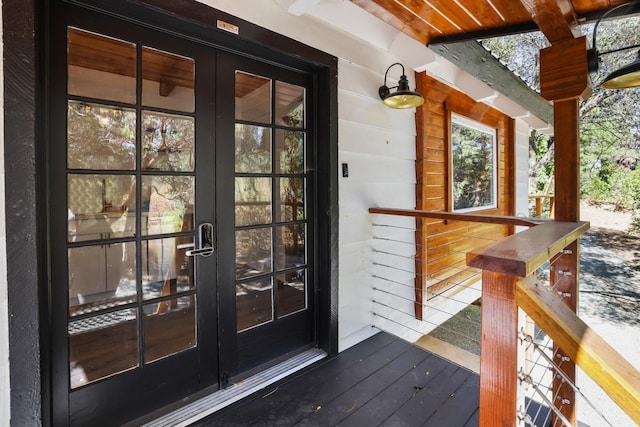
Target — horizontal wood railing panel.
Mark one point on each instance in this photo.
(491, 219)
(522, 253)
(614, 374)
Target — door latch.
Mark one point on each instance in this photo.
(205, 241)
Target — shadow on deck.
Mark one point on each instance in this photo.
(381, 381)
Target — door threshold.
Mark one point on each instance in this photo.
(217, 400)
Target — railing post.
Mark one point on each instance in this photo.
(567, 173)
(564, 279)
(499, 350)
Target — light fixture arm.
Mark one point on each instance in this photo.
(593, 56)
(384, 90)
(387, 72)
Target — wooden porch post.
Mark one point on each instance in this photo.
(499, 350)
(564, 80)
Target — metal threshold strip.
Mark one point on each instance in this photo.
(201, 408)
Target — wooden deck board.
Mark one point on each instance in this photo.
(378, 409)
(382, 381)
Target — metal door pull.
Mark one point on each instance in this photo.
(202, 252)
(205, 241)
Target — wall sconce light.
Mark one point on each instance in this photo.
(625, 77)
(403, 97)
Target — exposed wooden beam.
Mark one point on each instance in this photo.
(477, 61)
(564, 74)
(556, 18)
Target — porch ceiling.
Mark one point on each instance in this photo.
(444, 21)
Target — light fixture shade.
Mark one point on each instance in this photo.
(625, 77)
(403, 97)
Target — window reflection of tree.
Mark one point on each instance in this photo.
(473, 167)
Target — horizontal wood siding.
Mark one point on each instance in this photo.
(441, 265)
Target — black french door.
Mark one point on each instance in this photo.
(267, 139)
(181, 210)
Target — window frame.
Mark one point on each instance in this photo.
(462, 120)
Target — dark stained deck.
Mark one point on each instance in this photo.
(382, 381)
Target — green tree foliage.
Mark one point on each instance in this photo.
(610, 119)
(473, 167)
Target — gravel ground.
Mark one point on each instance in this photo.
(609, 300)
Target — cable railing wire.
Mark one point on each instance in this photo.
(389, 251)
(541, 358)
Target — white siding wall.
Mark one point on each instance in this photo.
(377, 143)
(522, 168)
(4, 314)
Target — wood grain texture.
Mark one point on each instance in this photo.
(567, 154)
(498, 350)
(617, 377)
(398, 17)
(444, 21)
(563, 71)
(489, 219)
(521, 254)
(441, 271)
(555, 18)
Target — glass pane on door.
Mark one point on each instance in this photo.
(169, 327)
(270, 194)
(102, 345)
(130, 201)
(101, 67)
(253, 98)
(100, 136)
(167, 80)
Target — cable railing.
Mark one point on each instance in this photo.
(420, 277)
(511, 280)
(543, 363)
(430, 266)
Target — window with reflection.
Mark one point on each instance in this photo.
(167, 80)
(270, 196)
(130, 198)
(101, 67)
(473, 165)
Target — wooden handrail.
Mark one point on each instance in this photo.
(486, 219)
(503, 264)
(522, 253)
(613, 373)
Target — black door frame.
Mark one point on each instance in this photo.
(187, 371)
(262, 345)
(26, 206)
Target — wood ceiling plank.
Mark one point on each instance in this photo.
(458, 16)
(423, 11)
(398, 17)
(486, 15)
(556, 18)
(512, 11)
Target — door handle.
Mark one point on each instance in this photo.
(205, 241)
